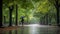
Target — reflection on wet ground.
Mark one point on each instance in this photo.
(33, 29)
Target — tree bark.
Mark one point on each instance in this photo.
(1, 13)
(57, 8)
(4, 19)
(46, 19)
(10, 22)
(16, 15)
(10, 14)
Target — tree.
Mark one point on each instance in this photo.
(32, 8)
(57, 5)
(16, 15)
(1, 13)
(10, 14)
(57, 8)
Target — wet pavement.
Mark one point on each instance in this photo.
(33, 29)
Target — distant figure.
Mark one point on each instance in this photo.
(22, 20)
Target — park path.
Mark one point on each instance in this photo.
(31, 29)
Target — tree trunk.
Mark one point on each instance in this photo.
(40, 20)
(16, 15)
(57, 8)
(4, 19)
(10, 22)
(27, 19)
(10, 14)
(46, 19)
(1, 13)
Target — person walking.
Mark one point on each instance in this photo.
(22, 20)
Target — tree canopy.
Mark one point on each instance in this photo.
(30, 8)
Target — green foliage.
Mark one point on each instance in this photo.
(30, 9)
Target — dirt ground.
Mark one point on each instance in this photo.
(9, 28)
